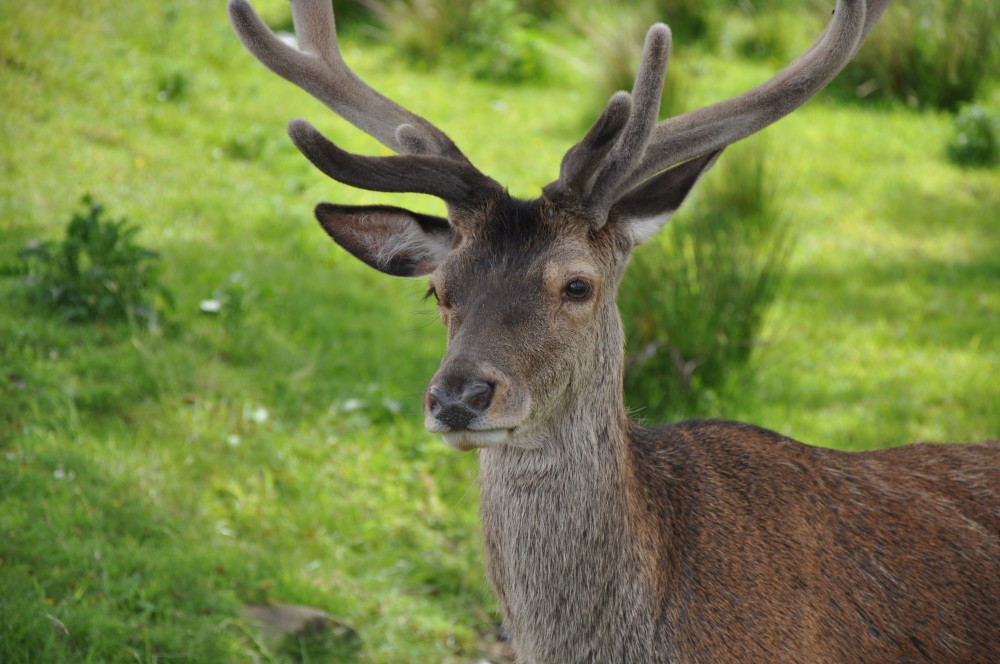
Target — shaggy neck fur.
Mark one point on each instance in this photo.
(563, 550)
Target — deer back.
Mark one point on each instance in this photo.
(779, 551)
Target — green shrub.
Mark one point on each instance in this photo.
(976, 141)
(690, 21)
(96, 273)
(928, 53)
(694, 299)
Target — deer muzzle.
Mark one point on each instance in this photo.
(471, 405)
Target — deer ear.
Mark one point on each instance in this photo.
(390, 239)
(646, 208)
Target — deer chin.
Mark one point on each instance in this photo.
(467, 439)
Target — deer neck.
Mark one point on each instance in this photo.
(559, 529)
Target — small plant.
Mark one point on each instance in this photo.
(96, 273)
(694, 299)
(230, 302)
(245, 145)
(976, 141)
(172, 85)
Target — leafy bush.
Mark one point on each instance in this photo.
(96, 273)
(694, 299)
(976, 141)
(928, 53)
(504, 44)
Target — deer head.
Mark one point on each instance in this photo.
(526, 289)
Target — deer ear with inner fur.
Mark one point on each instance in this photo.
(649, 206)
(390, 239)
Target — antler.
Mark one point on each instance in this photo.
(627, 147)
(429, 162)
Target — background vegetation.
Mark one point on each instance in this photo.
(260, 440)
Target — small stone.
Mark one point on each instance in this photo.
(290, 627)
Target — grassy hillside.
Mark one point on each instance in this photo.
(154, 481)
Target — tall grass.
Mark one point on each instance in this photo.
(695, 298)
(614, 33)
(493, 39)
(764, 31)
(927, 53)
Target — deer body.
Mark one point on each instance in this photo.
(699, 543)
(874, 557)
(705, 541)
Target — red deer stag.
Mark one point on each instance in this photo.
(702, 542)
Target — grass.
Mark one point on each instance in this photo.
(916, 297)
(929, 53)
(695, 298)
(151, 483)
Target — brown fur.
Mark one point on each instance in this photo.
(783, 552)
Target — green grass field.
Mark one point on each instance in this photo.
(152, 482)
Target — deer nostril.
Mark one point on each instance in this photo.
(437, 397)
(478, 395)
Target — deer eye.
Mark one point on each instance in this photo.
(432, 293)
(578, 290)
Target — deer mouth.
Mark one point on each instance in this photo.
(469, 439)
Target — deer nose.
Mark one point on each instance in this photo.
(457, 407)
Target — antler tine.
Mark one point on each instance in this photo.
(593, 169)
(582, 160)
(695, 133)
(646, 93)
(455, 182)
(320, 70)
